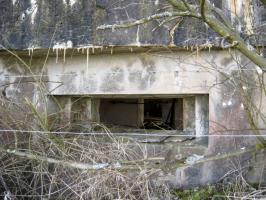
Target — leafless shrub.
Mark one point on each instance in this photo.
(57, 166)
(116, 171)
(235, 186)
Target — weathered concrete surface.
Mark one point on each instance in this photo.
(68, 74)
(248, 165)
(144, 73)
(171, 75)
(202, 117)
(62, 23)
(189, 113)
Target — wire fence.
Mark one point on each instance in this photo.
(145, 133)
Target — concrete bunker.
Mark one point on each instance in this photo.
(182, 115)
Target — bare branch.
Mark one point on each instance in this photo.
(202, 9)
(230, 35)
(178, 5)
(234, 44)
(147, 19)
(72, 164)
(187, 5)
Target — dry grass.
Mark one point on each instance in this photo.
(119, 171)
(42, 165)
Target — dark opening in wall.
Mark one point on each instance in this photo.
(163, 114)
(156, 114)
(153, 108)
(187, 115)
(123, 112)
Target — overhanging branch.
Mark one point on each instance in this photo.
(178, 5)
(230, 34)
(147, 19)
(202, 9)
(205, 13)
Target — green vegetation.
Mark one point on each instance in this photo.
(209, 192)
